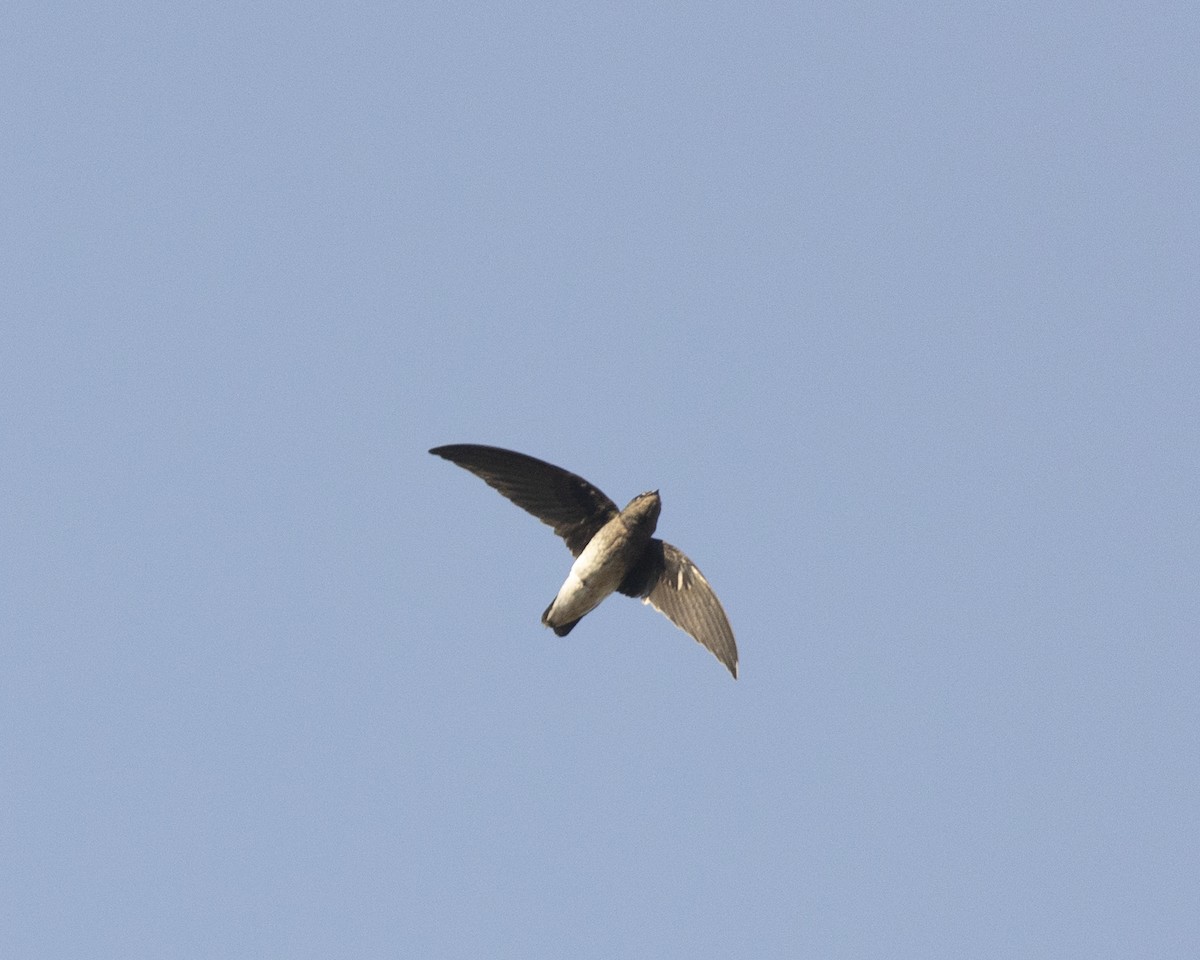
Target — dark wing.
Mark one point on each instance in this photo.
(572, 506)
(673, 585)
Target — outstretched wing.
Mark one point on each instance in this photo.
(572, 506)
(667, 580)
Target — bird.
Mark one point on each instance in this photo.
(615, 550)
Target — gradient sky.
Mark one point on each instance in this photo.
(896, 304)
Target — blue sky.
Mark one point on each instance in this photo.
(896, 306)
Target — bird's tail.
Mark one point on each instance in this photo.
(560, 629)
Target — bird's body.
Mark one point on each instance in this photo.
(604, 563)
(615, 551)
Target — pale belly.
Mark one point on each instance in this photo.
(593, 577)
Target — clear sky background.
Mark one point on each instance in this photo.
(895, 303)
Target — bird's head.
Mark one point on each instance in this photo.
(643, 510)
